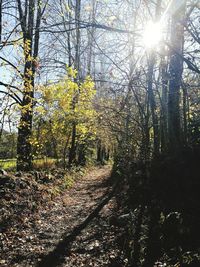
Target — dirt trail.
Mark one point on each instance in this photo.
(95, 246)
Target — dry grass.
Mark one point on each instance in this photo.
(10, 164)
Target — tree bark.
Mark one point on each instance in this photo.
(164, 110)
(24, 149)
(185, 111)
(31, 46)
(72, 152)
(175, 71)
(152, 103)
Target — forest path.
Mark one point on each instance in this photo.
(94, 246)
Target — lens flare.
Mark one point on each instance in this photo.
(152, 34)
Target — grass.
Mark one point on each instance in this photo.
(43, 163)
(10, 164)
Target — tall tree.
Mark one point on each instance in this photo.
(151, 94)
(30, 19)
(72, 152)
(175, 71)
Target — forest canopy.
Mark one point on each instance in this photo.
(142, 57)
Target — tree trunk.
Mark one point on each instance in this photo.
(24, 148)
(72, 152)
(65, 151)
(175, 71)
(31, 45)
(91, 37)
(185, 111)
(152, 103)
(99, 155)
(82, 154)
(24, 155)
(163, 120)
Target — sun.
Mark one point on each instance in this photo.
(152, 34)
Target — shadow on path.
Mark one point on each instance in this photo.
(57, 256)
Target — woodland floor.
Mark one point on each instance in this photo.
(28, 237)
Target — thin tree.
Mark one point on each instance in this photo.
(72, 152)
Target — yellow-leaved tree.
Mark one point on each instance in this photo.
(61, 105)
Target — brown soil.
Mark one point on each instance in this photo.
(33, 234)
